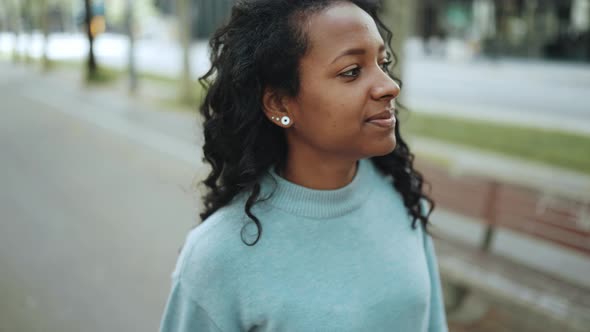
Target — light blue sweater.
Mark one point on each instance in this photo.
(327, 260)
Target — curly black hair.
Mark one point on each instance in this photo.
(260, 47)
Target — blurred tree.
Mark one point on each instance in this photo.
(65, 9)
(399, 16)
(44, 18)
(130, 27)
(184, 10)
(14, 10)
(4, 15)
(143, 12)
(92, 68)
(533, 40)
(44, 12)
(30, 20)
(211, 14)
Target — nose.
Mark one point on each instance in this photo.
(385, 88)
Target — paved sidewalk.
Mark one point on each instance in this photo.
(175, 133)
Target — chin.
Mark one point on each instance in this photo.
(383, 149)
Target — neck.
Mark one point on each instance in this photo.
(319, 174)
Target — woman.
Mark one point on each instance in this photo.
(313, 215)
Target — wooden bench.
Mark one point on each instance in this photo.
(556, 304)
(548, 215)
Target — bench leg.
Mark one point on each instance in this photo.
(488, 237)
(455, 296)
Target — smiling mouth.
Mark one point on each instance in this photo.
(383, 121)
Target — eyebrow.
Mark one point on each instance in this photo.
(356, 51)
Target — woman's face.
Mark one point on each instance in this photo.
(343, 83)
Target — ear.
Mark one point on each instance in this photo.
(274, 104)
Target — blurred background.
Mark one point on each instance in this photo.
(100, 146)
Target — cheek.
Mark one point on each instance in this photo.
(331, 114)
(332, 108)
(334, 118)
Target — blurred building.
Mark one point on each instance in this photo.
(558, 29)
(553, 29)
(207, 14)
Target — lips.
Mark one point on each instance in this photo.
(384, 119)
(387, 114)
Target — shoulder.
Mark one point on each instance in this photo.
(211, 252)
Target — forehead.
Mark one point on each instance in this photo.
(341, 26)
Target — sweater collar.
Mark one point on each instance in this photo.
(319, 204)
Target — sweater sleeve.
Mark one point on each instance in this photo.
(184, 314)
(437, 321)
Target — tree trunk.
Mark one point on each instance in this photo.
(44, 16)
(184, 18)
(399, 16)
(65, 11)
(17, 27)
(91, 64)
(533, 37)
(4, 14)
(130, 24)
(29, 18)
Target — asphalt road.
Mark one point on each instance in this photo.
(525, 92)
(90, 222)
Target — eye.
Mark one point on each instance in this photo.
(351, 73)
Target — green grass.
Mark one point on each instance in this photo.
(560, 149)
(107, 75)
(198, 93)
(103, 75)
(110, 75)
(66, 64)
